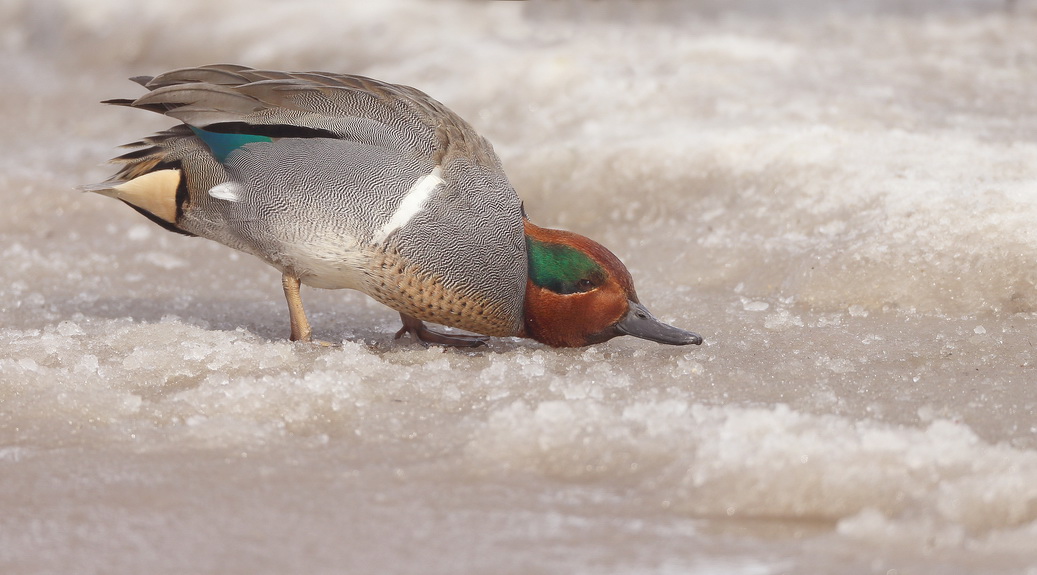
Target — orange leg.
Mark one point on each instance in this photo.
(301, 330)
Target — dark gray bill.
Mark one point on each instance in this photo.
(638, 322)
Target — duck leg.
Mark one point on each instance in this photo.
(425, 336)
(301, 330)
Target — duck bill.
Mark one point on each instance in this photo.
(639, 322)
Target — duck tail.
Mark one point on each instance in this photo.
(151, 179)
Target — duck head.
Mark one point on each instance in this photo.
(578, 293)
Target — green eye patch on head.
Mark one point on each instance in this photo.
(561, 268)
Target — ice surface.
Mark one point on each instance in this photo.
(840, 197)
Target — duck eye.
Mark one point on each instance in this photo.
(585, 284)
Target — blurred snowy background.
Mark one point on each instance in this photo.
(841, 197)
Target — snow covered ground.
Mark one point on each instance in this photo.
(841, 197)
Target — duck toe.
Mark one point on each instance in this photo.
(426, 336)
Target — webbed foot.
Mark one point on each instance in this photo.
(426, 336)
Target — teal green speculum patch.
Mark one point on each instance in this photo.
(222, 145)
